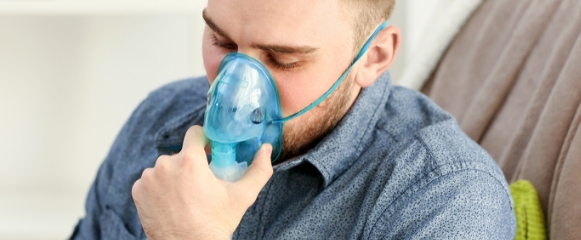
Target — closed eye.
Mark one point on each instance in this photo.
(271, 59)
(227, 46)
(282, 66)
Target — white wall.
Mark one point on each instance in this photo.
(68, 81)
(67, 84)
(418, 15)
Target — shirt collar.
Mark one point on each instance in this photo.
(344, 144)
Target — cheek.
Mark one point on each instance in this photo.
(298, 90)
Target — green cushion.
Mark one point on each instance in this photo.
(530, 221)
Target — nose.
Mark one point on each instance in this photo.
(251, 52)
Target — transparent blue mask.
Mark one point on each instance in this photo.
(243, 112)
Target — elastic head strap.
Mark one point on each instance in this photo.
(338, 82)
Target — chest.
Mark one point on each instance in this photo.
(296, 205)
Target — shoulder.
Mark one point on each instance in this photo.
(171, 101)
(173, 96)
(428, 140)
(438, 182)
(415, 124)
(171, 106)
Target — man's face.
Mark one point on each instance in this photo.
(306, 45)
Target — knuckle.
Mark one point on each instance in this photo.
(187, 156)
(147, 175)
(190, 157)
(162, 163)
(136, 191)
(185, 163)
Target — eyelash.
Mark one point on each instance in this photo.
(271, 59)
(227, 46)
(282, 66)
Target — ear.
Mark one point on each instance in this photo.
(379, 56)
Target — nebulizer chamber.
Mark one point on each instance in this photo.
(241, 115)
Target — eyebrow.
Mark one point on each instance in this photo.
(281, 49)
(213, 25)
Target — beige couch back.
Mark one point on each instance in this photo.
(512, 78)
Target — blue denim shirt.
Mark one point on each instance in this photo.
(395, 167)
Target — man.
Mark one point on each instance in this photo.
(372, 161)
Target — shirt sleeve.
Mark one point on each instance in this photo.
(110, 212)
(110, 209)
(112, 186)
(468, 204)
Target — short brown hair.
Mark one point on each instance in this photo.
(368, 15)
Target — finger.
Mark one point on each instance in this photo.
(194, 143)
(195, 137)
(140, 184)
(257, 174)
(136, 191)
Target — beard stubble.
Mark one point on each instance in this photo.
(306, 131)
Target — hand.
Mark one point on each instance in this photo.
(180, 198)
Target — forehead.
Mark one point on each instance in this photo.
(280, 21)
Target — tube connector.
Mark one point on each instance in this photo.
(223, 164)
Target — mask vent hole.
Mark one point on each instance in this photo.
(257, 116)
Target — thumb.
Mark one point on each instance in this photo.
(257, 174)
